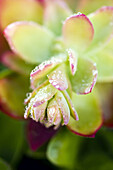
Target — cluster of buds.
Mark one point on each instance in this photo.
(50, 102)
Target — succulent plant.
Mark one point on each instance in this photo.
(64, 55)
(81, 43)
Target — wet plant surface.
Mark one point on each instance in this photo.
(56, 84)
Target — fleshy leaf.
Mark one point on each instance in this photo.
(44, 68)
(78, 32)
(53, 112)
(73, 61)
(12, 11)
(43, 95)
(29, 40)
(38, 134)
(55, 12)
(96, 153)
(104, 64)
(34, 92)
(85, 77)
(58, 78)
(63, 106)
(63, 149)
(11, 142)
(13, 89)
(72, 109)
(90, 117)
(39, 112)
(15, 63)
(102, 21)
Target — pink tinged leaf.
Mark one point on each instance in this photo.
(63, 106)
(43, 95)
(12, 11)
(15, 63)
(58, 78)
(38, 134)
(37, 102)
(72, 61)
(71, 106)
(85, 78)
(20, 35)
(39, 112)
(53, 112)
(31, 95)
(102, 20)
(90, 115)
(44, 68)
(78, 32)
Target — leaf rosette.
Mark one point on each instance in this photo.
(74, 50)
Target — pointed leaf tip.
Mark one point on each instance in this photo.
(73, 61)
(85, 78)
(38, 134)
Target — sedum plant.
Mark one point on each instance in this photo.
(72, 68)
(64, 55)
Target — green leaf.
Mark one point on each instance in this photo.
(102, 21)
(44, 94)
(12, 11)
(96, 153)
(16, 64)
(13, 89)
(11, 140)
(4, 165)
(85, 77)
(78, 32)
(104, 64)
(63, 149)
(29, 40)
(90, 117)
(55, 12)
